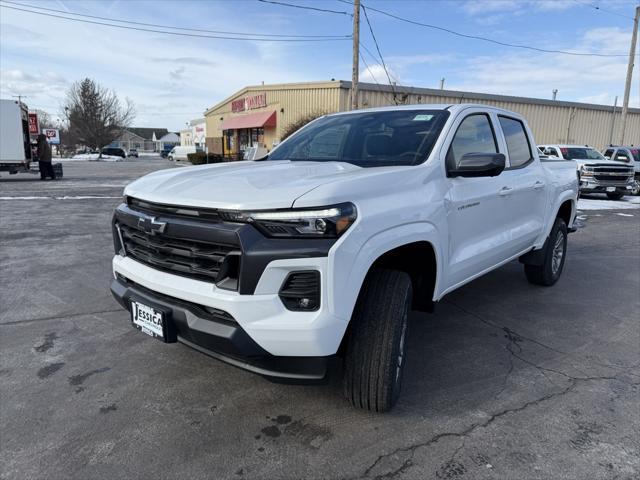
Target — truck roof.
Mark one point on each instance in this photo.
(453, 108)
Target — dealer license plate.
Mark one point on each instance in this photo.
(147, 319)
(611, 189)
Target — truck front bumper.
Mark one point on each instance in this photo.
(595, 187)
(217, 334)
(256, 332)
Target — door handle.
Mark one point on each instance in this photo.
(504, 191)
(538, 185)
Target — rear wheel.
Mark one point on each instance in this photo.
(375, 356)
(615, 196)
(635, 190)
(555, 254)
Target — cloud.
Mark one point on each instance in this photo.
(19, 82)
(184, 61)
(376, 74)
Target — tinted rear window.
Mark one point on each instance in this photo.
(579, 153)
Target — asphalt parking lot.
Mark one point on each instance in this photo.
(506, 380)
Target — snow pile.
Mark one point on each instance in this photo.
(594, 203)
(94, 157)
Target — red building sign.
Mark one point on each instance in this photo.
(249, 103)
(34, 128)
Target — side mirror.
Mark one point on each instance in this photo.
(607, 157)
(479, 165)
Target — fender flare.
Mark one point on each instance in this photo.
(562, 198)
(347, 290)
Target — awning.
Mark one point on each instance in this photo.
(252, 120)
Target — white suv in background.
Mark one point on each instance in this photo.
(597, 173)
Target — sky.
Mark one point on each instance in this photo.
(172, 79)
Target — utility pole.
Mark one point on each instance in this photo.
(442, 83)
(19, 97)
(627, 85)
(356, 55)
(613, 120)
(554, 94)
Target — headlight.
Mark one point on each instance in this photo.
(323, 222)
(586, 169)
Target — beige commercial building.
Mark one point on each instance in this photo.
(260, 115)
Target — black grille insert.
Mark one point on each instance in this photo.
(193, 213)
(194, 259)
(301, 291)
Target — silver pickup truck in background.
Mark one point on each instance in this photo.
(597, 174)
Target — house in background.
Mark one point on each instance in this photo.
(143, 139)
(167, 141)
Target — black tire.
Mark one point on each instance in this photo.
(375, 354)
(549, 272)
(57, 170)
(615, 196)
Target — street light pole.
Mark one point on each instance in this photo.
(627, 85)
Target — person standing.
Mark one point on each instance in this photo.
(44, 158)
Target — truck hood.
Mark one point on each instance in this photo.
(609, 163)
(238, 185)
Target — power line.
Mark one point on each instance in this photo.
(491, 40)
(384, 65)
(131, 22)
(373, 76)
(304, 7)
(180, 34)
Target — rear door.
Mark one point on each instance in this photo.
(528, 201)
(477, 208)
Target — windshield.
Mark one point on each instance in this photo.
(577, 153)
(367, 139)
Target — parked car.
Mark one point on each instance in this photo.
(114, 152)
(630, 155)
(133, 152)
(324, 246)
(597, 174)
(166, 150)
(180, 153)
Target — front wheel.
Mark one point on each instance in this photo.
(615, 196)
(555, 254)
(635, 190)
(375, 355)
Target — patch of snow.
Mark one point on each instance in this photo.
(625, 214)
(94, 157)
(625, 203)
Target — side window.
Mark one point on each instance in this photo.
(474, 135)
(554, 152)
(622, 156)
(517, 141)
(609, 153)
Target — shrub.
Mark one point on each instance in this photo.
(298, 124)
(201, 158)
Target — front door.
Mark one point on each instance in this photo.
(477, 207)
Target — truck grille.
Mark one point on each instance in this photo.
(194, 259)
(612, 174)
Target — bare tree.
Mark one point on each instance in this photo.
(44, 119)
(95, 115)
(299, 123)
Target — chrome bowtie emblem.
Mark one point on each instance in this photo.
(151, 225)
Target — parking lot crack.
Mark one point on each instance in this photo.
(409, 451)
(512, 334)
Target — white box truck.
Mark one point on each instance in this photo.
(15, 143)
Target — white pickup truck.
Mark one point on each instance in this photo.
(324, 246)
(597, 174)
